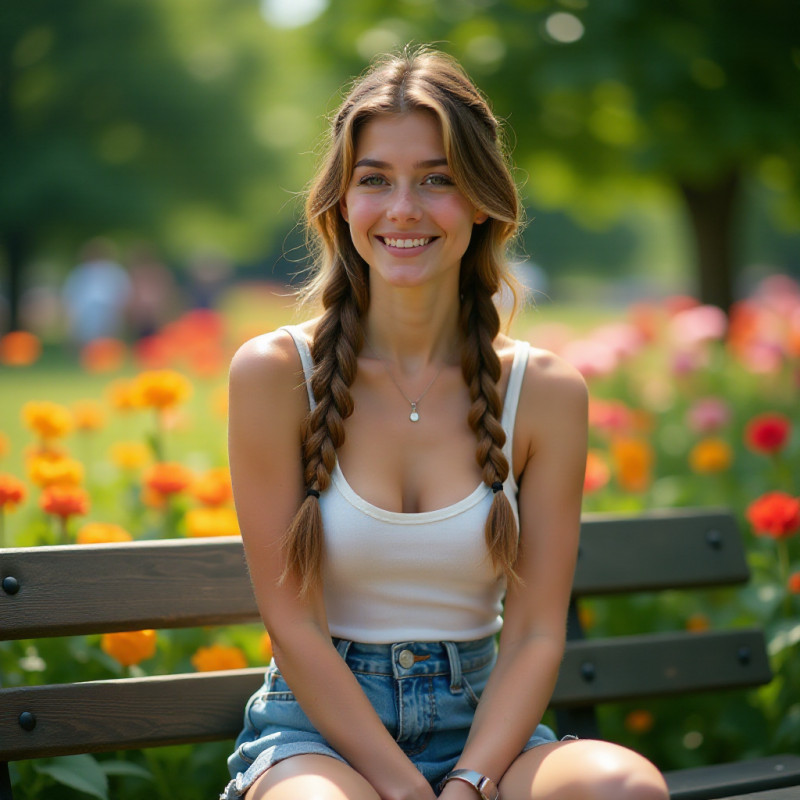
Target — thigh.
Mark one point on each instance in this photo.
(317, 776)
(583, 769)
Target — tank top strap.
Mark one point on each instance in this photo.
(518, 365)
(301, 343)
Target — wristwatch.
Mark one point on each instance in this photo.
(485, 787)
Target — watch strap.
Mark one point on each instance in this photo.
(485, 787)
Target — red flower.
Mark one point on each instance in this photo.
(65, 501)
(794, 583)
(768, 433)
(775, 514)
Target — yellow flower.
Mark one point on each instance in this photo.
(102, 533)
(266, 647)
(123, 395)
(47, 420)
(54, 469)
(162, 388)
(89, 415)
(218, 657)
(130, 455)
(129, 647)
(214, 487)
(633, 462)
(211, 522)
(711, 455)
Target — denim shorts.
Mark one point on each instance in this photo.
(424, 692)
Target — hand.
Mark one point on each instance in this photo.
(458, 790)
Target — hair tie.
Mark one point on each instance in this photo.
(497, 486)
(312, 493)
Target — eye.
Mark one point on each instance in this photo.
(371, 180)
(439, 180)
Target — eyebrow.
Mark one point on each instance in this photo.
(375, 163)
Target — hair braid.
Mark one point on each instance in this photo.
(338, 339)
(480, 366)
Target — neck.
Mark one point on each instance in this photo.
(413, 329)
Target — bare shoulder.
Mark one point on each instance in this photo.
(266, 373)
(554, 396)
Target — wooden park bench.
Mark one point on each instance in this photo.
(73, 590)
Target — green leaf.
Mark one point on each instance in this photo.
(126, 768)
(81, 772)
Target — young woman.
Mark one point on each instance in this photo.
(408, 483)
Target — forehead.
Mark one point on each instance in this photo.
(415, 135)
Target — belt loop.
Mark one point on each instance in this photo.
(455, 666)
(343, 646)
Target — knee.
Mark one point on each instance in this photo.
(619, 774)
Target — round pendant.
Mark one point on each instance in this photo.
(413, 416)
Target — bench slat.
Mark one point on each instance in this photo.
(173, 583)
(96, 716)
(627, 668)
(654, 551)
(742, 778)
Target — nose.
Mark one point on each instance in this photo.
(403, 205)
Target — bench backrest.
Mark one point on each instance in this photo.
(70, 590)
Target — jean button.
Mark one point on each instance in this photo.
(406, 659)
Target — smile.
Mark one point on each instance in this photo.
(406, 243)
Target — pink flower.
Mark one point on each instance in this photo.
(624, 339)
(694, 326)
(708, 414)
(591, 358)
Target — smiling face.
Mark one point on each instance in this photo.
(407, 219)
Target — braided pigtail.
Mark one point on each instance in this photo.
(480, 366)
(338, 339)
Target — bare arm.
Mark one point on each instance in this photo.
(267, 405)
(552, 419)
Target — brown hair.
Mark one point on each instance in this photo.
(429, 80)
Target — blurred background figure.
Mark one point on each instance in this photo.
(95, 294)
(154, 296)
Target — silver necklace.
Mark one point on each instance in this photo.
(414, 415)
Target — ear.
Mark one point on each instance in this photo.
(343, 209)
(480, 217)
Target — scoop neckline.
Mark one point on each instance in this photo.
(407, 517)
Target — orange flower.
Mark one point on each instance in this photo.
(710, 455)
(47, 420)
(89, 415)
(129, 647)
(633, 462)
(19, 349)
(639, 721)
(697, 623)
(102, 355)
(793, 584)
(130, 455)
(218, 657)
(65, 501)
(597, 472)
(102, 533)
(768, 433)
(54, 469)
(168, 477)
(162, 388)
(220, 521)
(265, 647)
(12, 491)
(123, 395)
(214, 487)
(775, 514)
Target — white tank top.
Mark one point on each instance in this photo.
(391, 576)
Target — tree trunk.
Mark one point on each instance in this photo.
(14, 244)
(712, 210)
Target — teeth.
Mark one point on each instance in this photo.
(407, 242)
